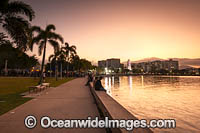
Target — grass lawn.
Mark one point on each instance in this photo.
(11, 88)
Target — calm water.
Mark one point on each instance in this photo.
(159, 97)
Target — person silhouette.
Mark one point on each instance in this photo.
(98, 85)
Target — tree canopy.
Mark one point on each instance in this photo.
(16, 59)
(13, 19)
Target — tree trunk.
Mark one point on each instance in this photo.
(43, 61)
(67, 64)
(56, 71)
(67, 67)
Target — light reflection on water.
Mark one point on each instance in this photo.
(159, 97)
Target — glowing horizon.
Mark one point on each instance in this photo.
(132, 30)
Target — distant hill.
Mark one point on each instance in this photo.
(183, 62)
(186, 62)
(147, 59)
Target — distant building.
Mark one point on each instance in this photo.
(170, 65)
(158, 65)
(121, 65)
(113, 63)
(102, 63)
(134, 65)
(193, 71)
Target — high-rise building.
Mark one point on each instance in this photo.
(113, 63)
(156, 65)
(102, 63)
(170, 65)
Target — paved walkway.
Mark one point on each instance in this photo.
(71, 100)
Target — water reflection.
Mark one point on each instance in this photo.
(115, 82)
(130, 82)
(106, 83)
(160, 97)
(142, 77)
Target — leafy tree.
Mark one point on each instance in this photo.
(44, 37)
(16, 58)
(85, 64)
(81, 64)
(12, 21)
(75, 60)
(3, 39)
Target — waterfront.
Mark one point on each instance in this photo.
(159, 97)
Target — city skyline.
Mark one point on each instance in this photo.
(147, 66)
(127, 30)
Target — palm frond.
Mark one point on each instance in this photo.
(30, 34)
(3, 36)
(50, 27)
(53, 35)
(4, 39)
(55, 45)
(72, 49)
(30, 42)
(35, 29)
(51, 57)
(66, 44)
(19, 7)
(17, 28)
(41, 47)
(69, 49)
(38, 38)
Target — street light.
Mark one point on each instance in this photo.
(106, 70)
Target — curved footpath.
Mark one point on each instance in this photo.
(71, 100)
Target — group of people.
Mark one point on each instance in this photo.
(96, 82)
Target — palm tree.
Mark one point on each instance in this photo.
(54, 57)
(69, 51)
(3, 39)
(43, 37)
(14, 23)
(76, 62)
(62, 59)
(58, 56)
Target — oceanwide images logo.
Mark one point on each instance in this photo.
(30, 121)
(46, 122)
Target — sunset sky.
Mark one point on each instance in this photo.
(125, 29)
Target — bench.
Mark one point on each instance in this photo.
(36, 88)
(47, 85)
(39, 87)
